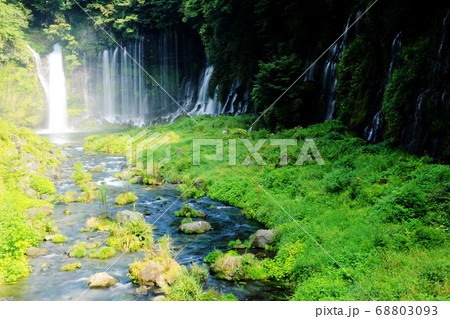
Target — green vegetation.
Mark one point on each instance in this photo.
(42, 184)
(102, 253)
(131, 236)
(186, 221)
(232, 266)
(188, 211)
(80, 176)
(20, 227)
(381, 213)
(71, 267)
(78, 251)
(58, 239)
(126, 198)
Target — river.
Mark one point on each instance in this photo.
(48, 282)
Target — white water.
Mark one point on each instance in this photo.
(53, 82)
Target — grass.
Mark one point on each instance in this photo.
(381, 213)
(78, 251)
(187, 211)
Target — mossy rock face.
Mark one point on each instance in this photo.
(126, 198)
(97, 169)
(199, 227)
(71, 267)
(161, 271)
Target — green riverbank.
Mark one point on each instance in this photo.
(382, 214)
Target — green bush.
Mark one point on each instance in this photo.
(42, 185)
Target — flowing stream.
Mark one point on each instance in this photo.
(48, 282)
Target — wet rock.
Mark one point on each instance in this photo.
(35, 251)
(142, 290)
(101, 280)
(125, 216)
(239, 247)
(262, 238)
(97, 169)
(195, 227)
(138, 180)
(48, 237)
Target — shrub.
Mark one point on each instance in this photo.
(42, 184)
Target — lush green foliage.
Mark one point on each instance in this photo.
(42, 184)
(20, 229)
(58, 239)
(102, 253)
(187, 211)
(381, 213)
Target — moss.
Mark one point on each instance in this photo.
(186, 221)
(58, 239)
(102, 253)
(78, 251)
(71, 267)
(99, 224)
(126, 198)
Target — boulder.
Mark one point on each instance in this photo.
(48, 237)
(142, 290)
(125, 216)
(101, 280)
(35, 251)
(262, 238)
(195, 227)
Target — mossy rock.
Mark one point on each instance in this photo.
(126, 198)
(58, 239)
(188, 211)
(102, 253)
(199, 227)
(71, 267)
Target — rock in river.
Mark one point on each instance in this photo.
(195, 227)
(34, 252)
(262, 238)
(101, 280)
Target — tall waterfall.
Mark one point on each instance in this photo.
(372, 132)
(53, 82)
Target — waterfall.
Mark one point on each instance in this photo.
(205, 104)
(119, 90)
(329, 82)
(373, 131)
(53, 82)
